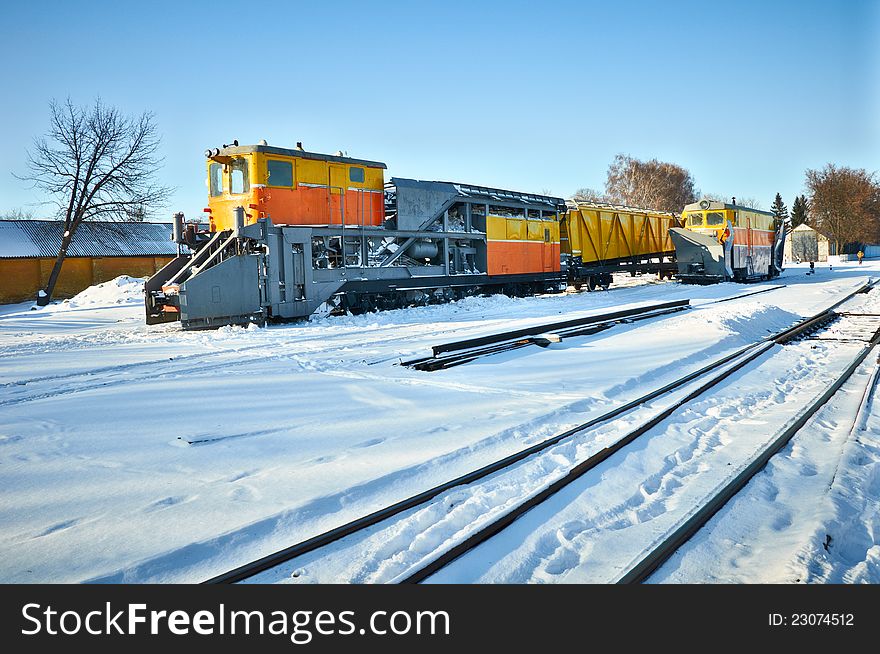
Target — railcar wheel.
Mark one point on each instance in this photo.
(591, 283)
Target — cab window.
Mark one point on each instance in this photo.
(356, 175)
(238, 177)
(215, 179)
(280, 173)
(695, 219)
(714, 218)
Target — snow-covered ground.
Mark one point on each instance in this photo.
(812, 515)
(130, 453)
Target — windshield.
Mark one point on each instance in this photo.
(695, 219)
(715, 218)
(215, 178)
(238, 177)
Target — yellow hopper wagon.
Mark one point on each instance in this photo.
(599, 239)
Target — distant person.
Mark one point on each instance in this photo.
(812, 268)
(860, 255)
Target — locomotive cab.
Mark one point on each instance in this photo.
(293, 187)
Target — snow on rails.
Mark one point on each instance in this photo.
(520, 493)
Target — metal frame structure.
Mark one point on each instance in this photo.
(262, 271)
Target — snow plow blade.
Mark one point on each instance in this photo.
(700, 257)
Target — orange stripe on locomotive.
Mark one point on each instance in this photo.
(759, 237)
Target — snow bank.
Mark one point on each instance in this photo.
(120, 291)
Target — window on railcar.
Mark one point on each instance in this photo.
(695, 219)
(506, 212)
(280, 172)
(714, 218)
(356, 175)
(238, 177)
(215, 179)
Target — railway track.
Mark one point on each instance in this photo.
(714, 373)
(450, 355)
(185, 364)
(640, 570)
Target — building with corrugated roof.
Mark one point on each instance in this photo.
(98, 252)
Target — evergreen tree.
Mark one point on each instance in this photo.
(799, 211)
(779, 209)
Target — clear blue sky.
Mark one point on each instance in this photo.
(532, 96)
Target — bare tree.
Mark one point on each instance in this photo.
(95, 162)
(589, 195)
(650, 184)
(845, 204)
(751, 202)
(19, 214)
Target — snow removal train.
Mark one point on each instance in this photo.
(290, 233)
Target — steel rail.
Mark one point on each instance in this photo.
(604, 454)
(861, 419)
(742, 295)
(566, 324)
(553, 326)
(645, 566)
(469, 350)
(277, 558)
(250, 569)
(431, 364)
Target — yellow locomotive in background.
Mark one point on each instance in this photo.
(721, 242)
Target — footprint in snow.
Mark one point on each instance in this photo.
(165, 502)
(60, 526)
(370, 443)
(244, 474)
